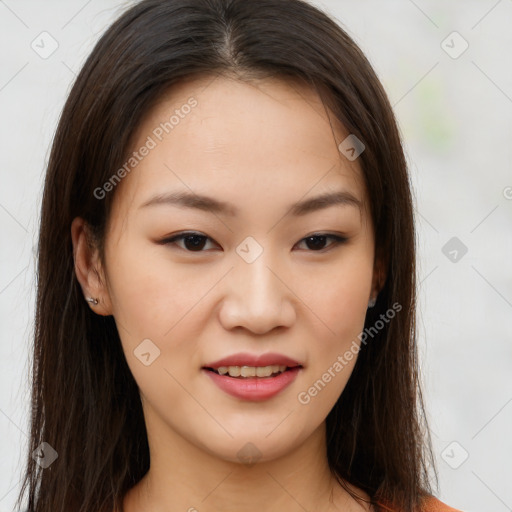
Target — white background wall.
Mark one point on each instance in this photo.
(455, 115)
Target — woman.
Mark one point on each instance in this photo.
(226, 279)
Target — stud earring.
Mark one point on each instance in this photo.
(94, 302)
(372, 302)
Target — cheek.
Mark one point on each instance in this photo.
(153, 306)
(338, 295)
(340, 301)
(148, 295)
(155, 300)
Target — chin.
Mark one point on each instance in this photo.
(248, 450)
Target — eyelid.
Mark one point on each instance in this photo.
(170, 240)
(337, 239)
(182, 234)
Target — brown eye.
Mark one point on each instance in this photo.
(316, 242)
(192, 242)
(195, 242)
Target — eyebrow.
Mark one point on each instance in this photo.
(187, 199)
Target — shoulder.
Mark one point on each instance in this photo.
(430, 504)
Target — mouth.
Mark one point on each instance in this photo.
(248, 372)
(253, 383)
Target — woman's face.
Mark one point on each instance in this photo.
(240, 166)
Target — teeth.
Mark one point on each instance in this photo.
(250, 371)
(247, 371)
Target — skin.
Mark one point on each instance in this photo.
(260, 146)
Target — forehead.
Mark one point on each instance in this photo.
(244, 142)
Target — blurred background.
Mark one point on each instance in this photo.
(447, 69)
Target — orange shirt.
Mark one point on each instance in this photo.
(432, 504)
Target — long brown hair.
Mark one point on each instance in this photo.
(85, 401)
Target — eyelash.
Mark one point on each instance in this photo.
(337, 240)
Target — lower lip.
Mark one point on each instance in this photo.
(254, 388)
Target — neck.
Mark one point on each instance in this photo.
(186, 478)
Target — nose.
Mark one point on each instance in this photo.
(258, 297)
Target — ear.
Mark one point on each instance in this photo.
(88, 268)
(379, 276)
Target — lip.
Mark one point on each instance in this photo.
(254, 388)
(246, 359)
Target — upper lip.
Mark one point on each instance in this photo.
(246, 359)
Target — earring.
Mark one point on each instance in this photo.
(372, 302)
(92, 301)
